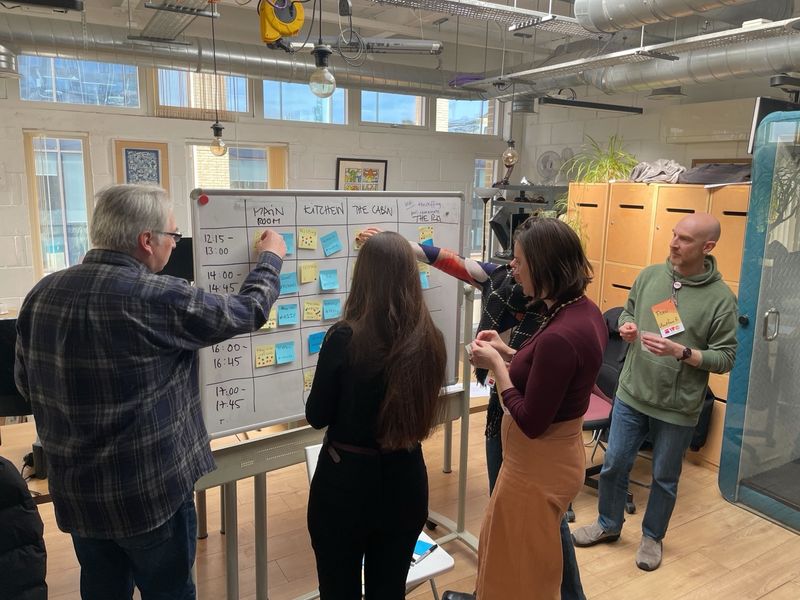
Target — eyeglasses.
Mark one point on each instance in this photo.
(175, 235)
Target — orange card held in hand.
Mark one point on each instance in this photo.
(667, 317)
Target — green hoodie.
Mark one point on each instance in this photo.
(660, 386)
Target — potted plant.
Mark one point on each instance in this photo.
(597, 163)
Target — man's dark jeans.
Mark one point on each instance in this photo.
(158, 562)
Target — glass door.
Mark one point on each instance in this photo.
(760, 466)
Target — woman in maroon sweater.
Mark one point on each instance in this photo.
(545, 392)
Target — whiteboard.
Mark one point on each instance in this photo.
(263, 378)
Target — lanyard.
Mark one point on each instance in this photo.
(676, 285)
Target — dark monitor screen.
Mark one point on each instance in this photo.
(11, 401)
(766, 106)
(181, 263)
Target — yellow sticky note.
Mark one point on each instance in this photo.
(272, 319)
(426, 235)
(308, 379)
(308, 272)
(307, 238)
(256, 238)
(265, 356)
(423, 268)
(312, 310)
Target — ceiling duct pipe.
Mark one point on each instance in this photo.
(754, 58)
(67, 39)
(602, 16)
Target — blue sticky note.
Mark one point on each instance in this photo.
(284, 353)
(423, 279)
(288, 239)
(315, 341)
(287, 314)
(331, 308)
(331, 244)
(329, 279)
(289, 283)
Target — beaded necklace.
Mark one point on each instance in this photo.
(552, 315)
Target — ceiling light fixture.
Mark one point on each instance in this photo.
(590, 105)
(510, 155)
(217, 145)
(322, 82)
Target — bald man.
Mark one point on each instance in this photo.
(680, 322)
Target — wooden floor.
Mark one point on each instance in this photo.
(713, 549)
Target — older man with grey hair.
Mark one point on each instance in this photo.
(107, 354)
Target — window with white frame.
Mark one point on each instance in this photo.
(244, 167)
(392, 109)
(295, 102)
(466, 116)
(60, 211)
(70, 81)
(184, 94)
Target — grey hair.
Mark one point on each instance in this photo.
(122, 212)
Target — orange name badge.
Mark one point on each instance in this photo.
(667, 317)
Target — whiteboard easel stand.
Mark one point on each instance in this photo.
(253, 458)
(458, 527)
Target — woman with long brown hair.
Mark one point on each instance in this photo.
(545, 392)
(376, 388)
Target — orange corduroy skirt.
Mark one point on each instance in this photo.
(519, 554)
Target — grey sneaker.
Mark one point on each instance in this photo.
(590, 535)
(648, 556)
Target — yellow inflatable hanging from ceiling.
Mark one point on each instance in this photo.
(280, 19)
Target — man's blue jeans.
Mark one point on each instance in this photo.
(571, 588)
(629, 428)
(158, 562)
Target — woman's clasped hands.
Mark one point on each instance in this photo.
(489, 351)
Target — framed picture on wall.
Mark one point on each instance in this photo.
(356, 174)
(142, 162)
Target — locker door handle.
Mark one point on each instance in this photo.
(767, 317)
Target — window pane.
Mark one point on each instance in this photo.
(395, 109)
(61, 191)
(295, 102)
(78, 82)
(184, 89)
(243, 168)
(464, 116)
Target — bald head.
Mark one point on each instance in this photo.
(694, 236)
(702, 226)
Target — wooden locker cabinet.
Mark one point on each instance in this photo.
(594, 290)
(630, 216)
(588, 206)
(617, 283)
(674, 202)
(730, 204)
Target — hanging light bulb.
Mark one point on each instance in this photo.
(322, 81)
(510, 156)
(217, 146)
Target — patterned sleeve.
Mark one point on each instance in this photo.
(468, 270)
